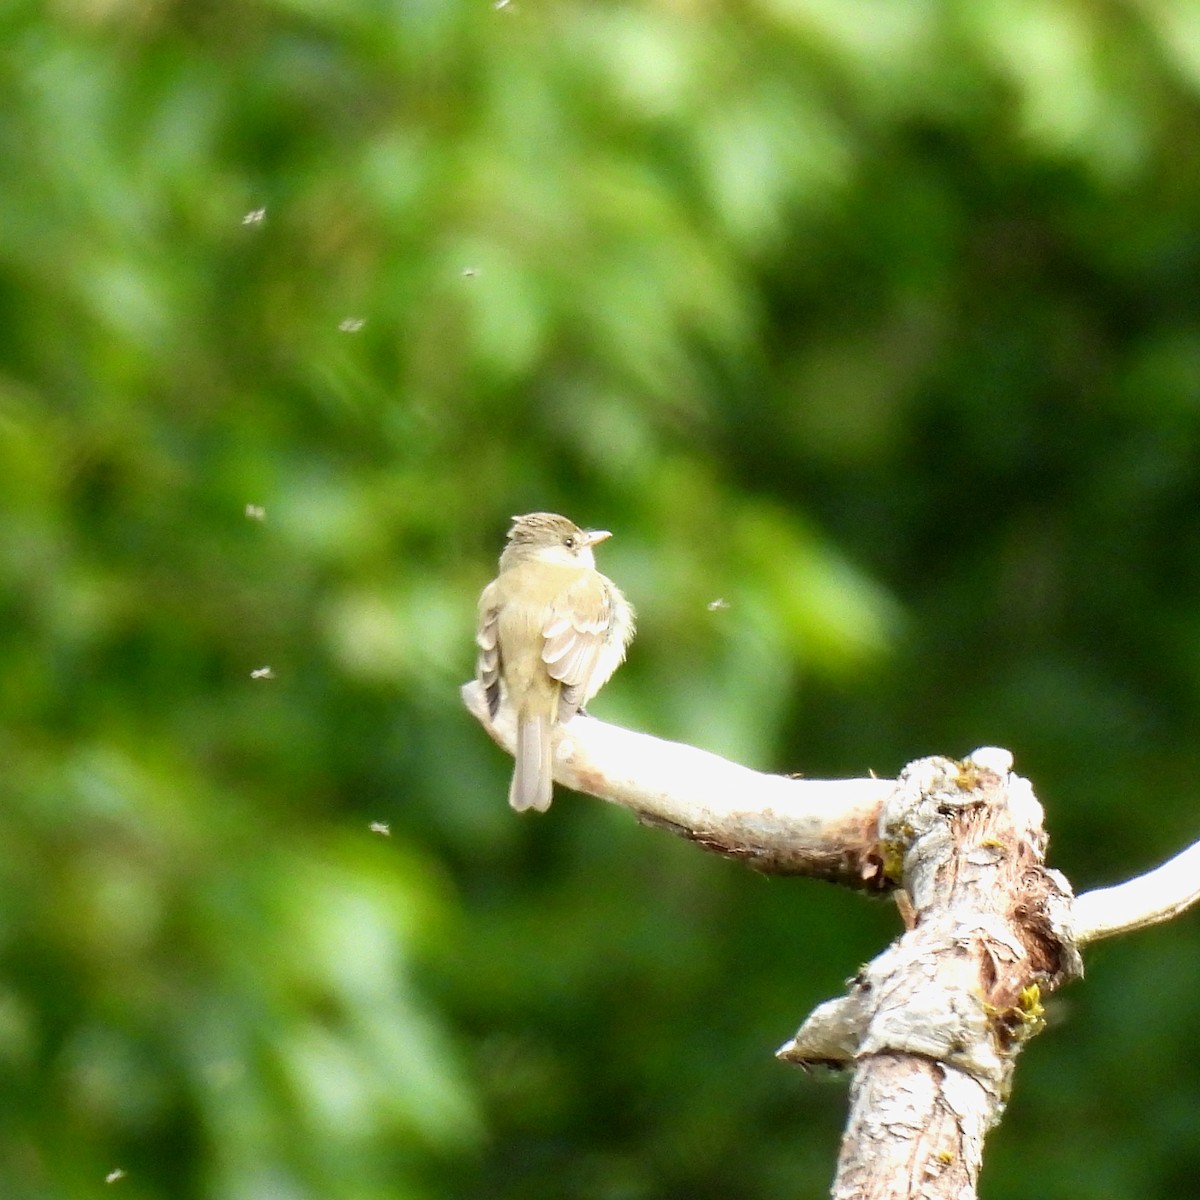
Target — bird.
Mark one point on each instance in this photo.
(551, 629)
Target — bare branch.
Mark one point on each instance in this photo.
(1156, 896)
(823, 828)
(933, 1025)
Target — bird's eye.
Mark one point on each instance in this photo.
(569, 541)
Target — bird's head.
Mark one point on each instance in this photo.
(548, 537)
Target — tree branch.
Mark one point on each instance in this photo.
(1148, 899)
(933, 1025)
(778, 825)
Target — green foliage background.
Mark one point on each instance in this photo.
(878, 321)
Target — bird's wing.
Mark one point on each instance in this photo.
(585, 635)
(487, 638)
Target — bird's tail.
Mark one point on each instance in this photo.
(532, 781)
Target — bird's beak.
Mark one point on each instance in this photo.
(597, 535)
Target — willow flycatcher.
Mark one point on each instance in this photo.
(552, 630)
